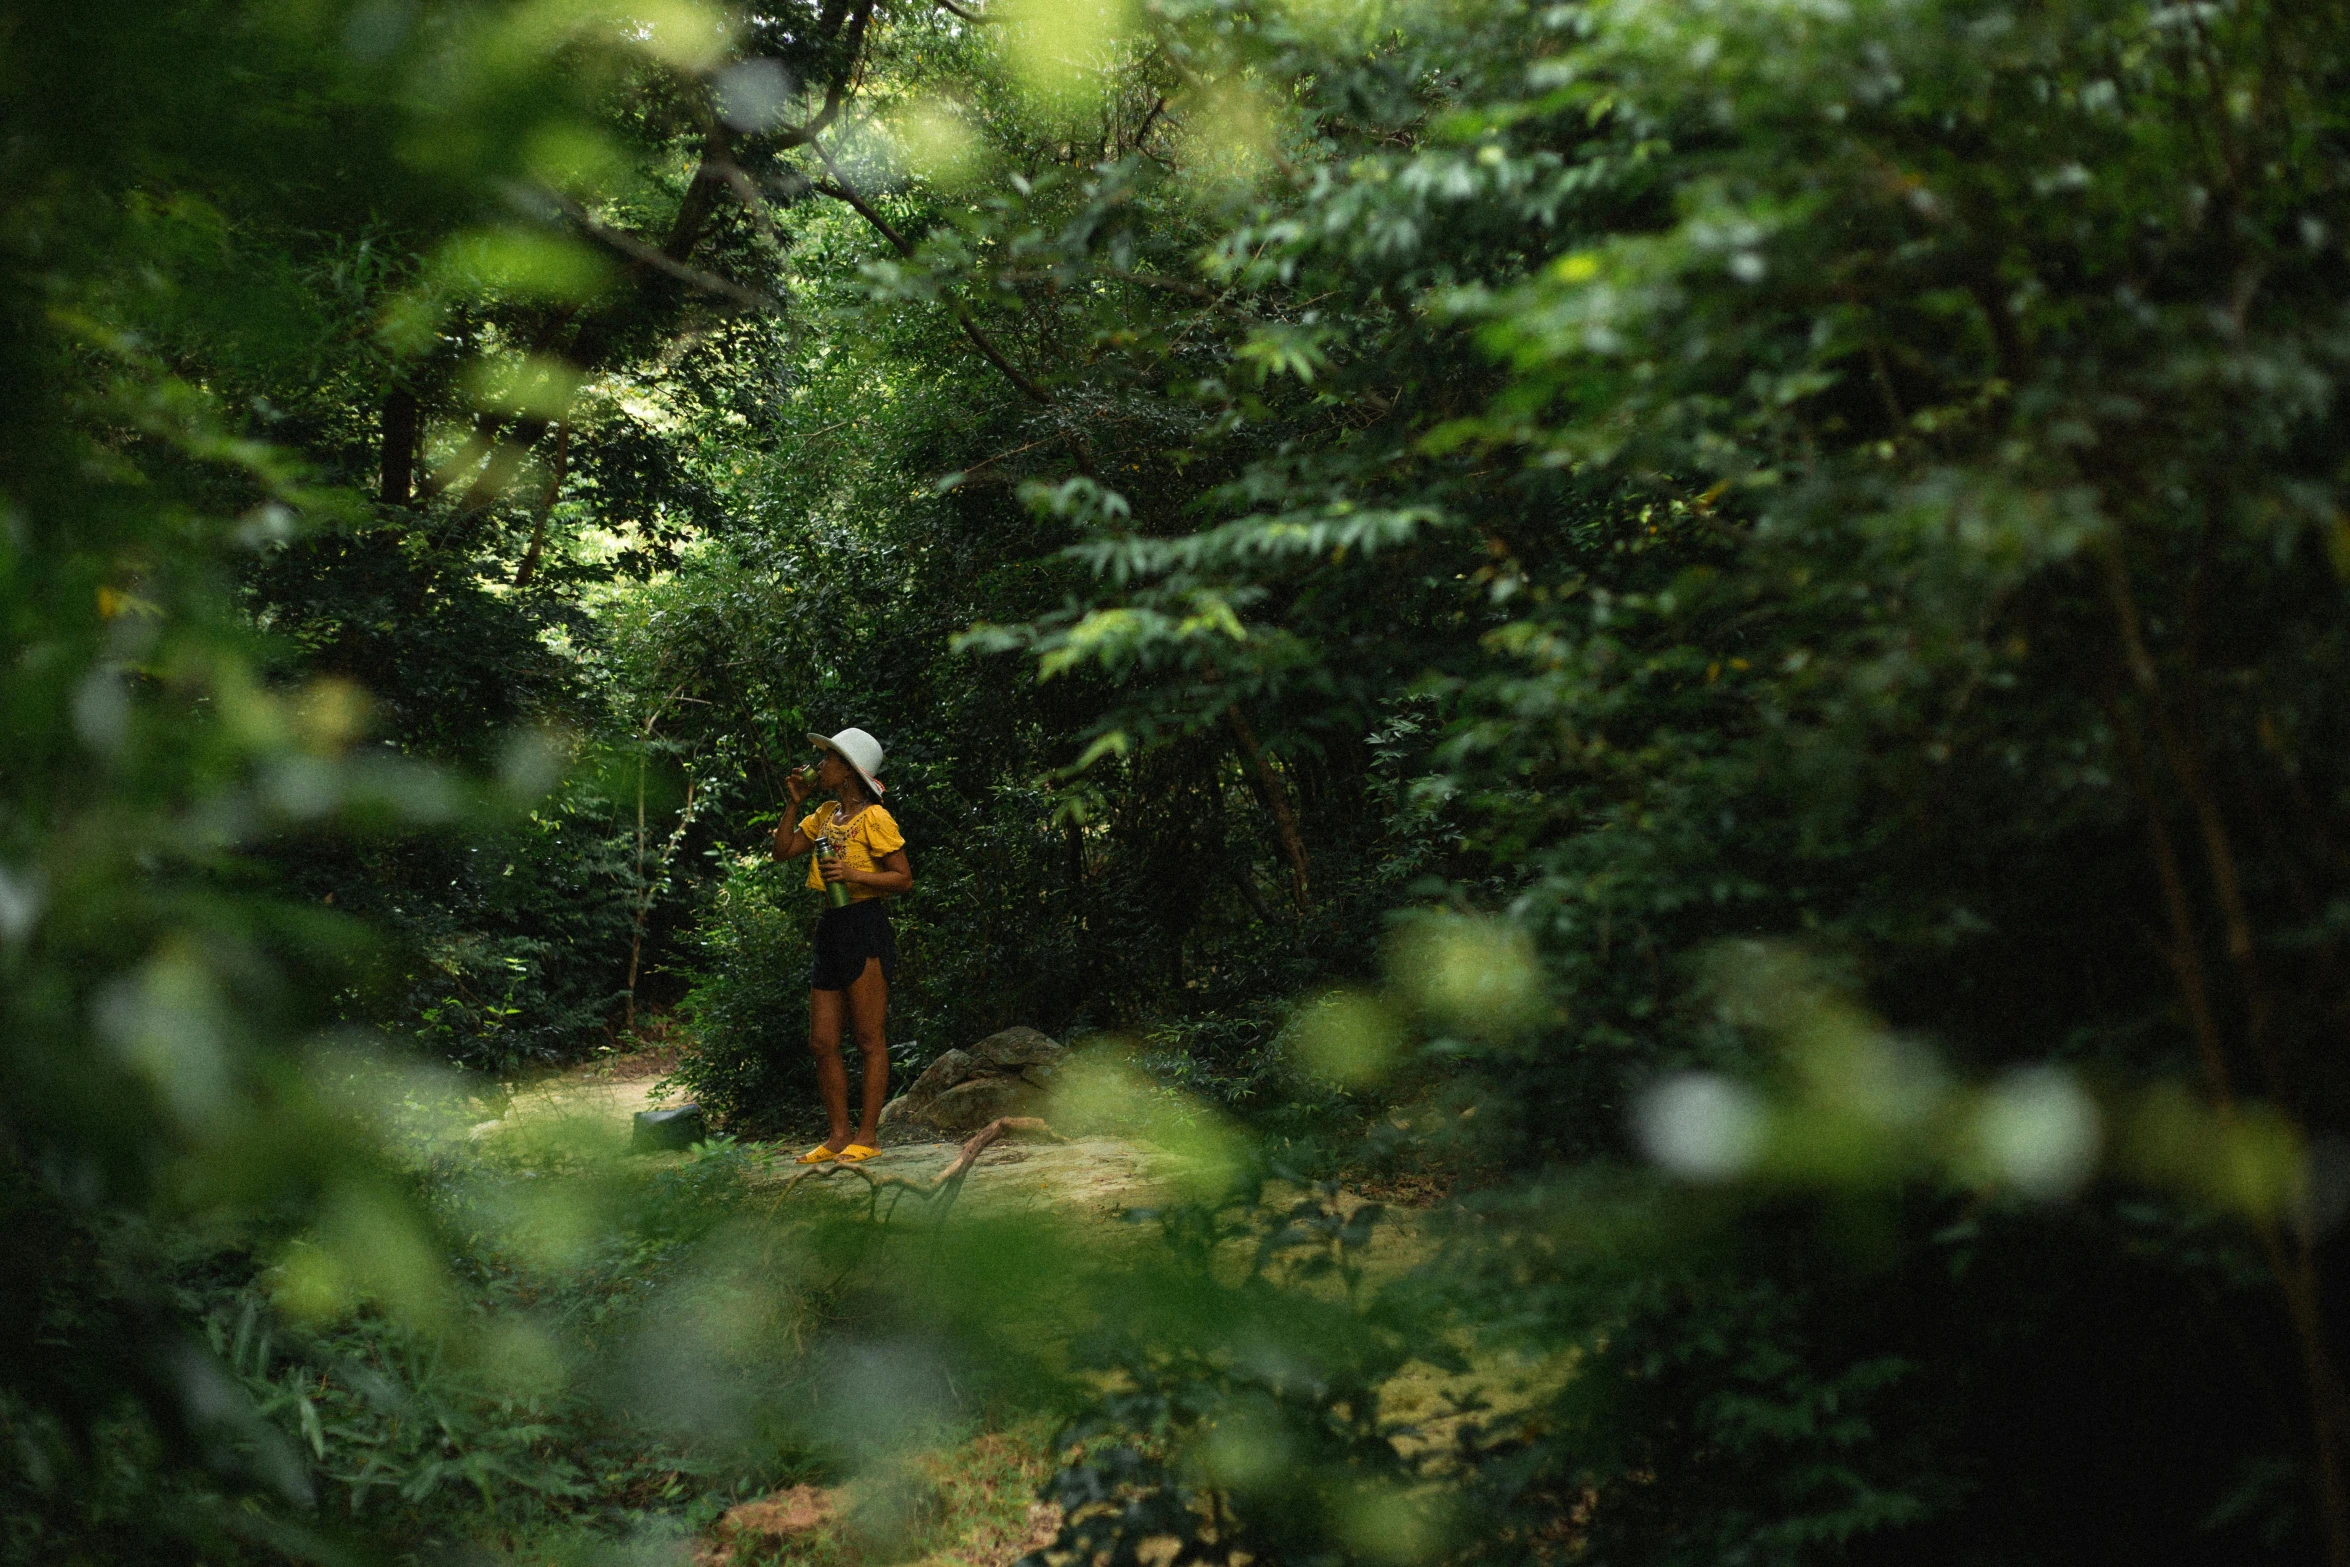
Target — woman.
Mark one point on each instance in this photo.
(856, 953)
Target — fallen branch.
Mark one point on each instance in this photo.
(947, 1184)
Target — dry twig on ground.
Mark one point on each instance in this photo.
(944, 1186)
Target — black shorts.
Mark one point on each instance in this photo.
(847, 938)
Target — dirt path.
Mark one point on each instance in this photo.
(980, 1509)
(1089, 1177)
(1092, 1179)
(599, 1097)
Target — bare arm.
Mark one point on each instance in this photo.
(790, 842)
(893, 874)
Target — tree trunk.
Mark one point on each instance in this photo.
(1275, 794)
(538, 534)
(651, 888)
(636, 942)
(403, 425)
(2289, 1250)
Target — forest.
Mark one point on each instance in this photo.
(1639, 686)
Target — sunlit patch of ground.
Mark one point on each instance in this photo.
(1090, 1177)
(602, 1094)
(1429, 1407)
(1087, 1178)
(970, 1505)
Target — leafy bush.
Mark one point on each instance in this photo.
(532, 1424)
(520, 956)
(747, 1011)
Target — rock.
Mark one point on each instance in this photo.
(963, 1090)
(1017, 1047)
(944, 1073)
(682, 1126)
(952, 1067)
(971, 1105)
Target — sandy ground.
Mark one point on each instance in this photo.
(606, 1101)
(1094, 1177)
(1090, 1177)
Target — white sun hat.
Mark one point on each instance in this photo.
(860, 750)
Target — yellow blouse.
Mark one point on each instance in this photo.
(864, 840)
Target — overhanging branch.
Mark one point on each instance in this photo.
(660, 260)
(839, 189)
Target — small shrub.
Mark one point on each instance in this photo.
(748, 1009)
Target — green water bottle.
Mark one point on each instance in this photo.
(837, 891)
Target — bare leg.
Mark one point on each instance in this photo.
(868, 997)
(825, 1008)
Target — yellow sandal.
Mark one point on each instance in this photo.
(856, 1153)
(817, 1155)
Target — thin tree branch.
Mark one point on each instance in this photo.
(836, 92)
(715, 168)
(2184, 954)
(1000, 456)
(842, 192)
(693, 211)
(506, 457)
(658, 257)
(1148, 120)
(2219, 852)
(653, 888)
(840, 189)
(754, 201)
(1155, 280)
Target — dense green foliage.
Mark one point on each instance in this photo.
(1717, 623)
